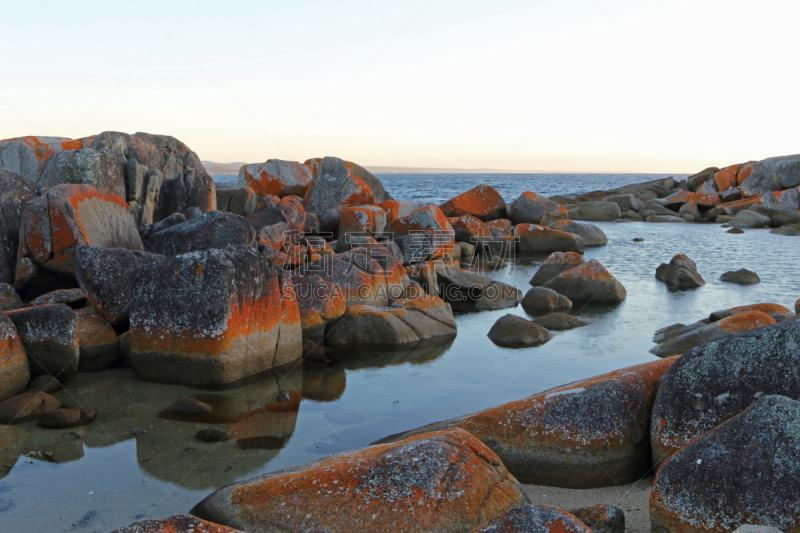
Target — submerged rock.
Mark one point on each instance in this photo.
(560, 322)
(741, 277)
(446, 481)
(591, 433)
(534, 519)
(755, 452)
(513, 331)
(680, 274)
(26, 407)
(716, 381)
(469, 291)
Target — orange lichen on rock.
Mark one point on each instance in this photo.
(744, 173)
(534, 518)
(366, 220)
(483, 202)
(445, 481)
(745, 321)
(14, 370)
(707, 200)
(427, 301)
(778, 312)
(591, 269)
(176, 524)
(727, 178)
(276, 178)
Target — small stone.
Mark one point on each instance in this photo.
(735, 231)
(602, 518)
(44, 384)
(26, 407)
(60, 419)
(516, 332)
(638, 239)
(741, 277)
(212, 435)
(88, 416)
(189, 406)
(540, 299)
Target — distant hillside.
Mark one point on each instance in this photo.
(222, 168)
(233, 168)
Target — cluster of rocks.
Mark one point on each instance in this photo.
(755, 194)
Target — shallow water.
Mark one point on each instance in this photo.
(134, 464)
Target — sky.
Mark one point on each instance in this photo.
(540, 85)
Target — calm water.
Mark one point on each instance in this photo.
(135, 464)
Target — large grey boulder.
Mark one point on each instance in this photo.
(680, 274)
(762, 180)
(14, 370)
(27, 155)
(531, 208)
(334, 187)
(778, 215)
(694, 182)
(589, 234)
(595, 211)
(469, 291)
(214, 230)
(15, 192)
(540, 299)
(554, 265)
(532, 238)
(718, 380)
(784, 171)
(750, 219)
(629, 202)
(50, 338)
(756, 452)
(101, 168)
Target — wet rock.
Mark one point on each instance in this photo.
(785, 231)
(368, 220)
(320, 302)
(60, 418)
(70, 216)
(9, 299)
(664, 219)
(104, 274)
(212, 435)
(211, 317)
(716, 381)
(98, 342)
(276, 178)
(213, 230)
(540, 240)
(589, 234)
(406, 321)
(560, 322)
(14, 369)
(749, 219)
(680, 274)
(602, 518)
(26, 407)
(467, 290)
(100, 168)
(176, 524)
(589, 281)
(591, 433)
(184, 406)
(44, 384)
(595, 211)
(539, 299)
(736, 231)
(530, 208)
(710, 332)
(755, 452)
(334, 187)
(445, 481)
(778, 312)
(741, 277)
(15, 192)
(50, 338)
(534, 519)
(482, 202)
(554, 265)
(513, 331)
(75, 298)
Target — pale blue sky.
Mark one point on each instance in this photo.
(591, 85)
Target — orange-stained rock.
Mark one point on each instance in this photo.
(533, 239)
(176, 524)
(590, 433)
(399, 208)
(320, 302)
(702, 200)
(530, 208)
(744, 172)
(554, 265)
(50, 338)
(534, 519)
(361, 278)
(209, 318)
(713, 382)
(27, 155)
(369, 220)
(428, 219)
(727, 177)
(14, 371)
(500, 227)
(444, 482)
(741, 472)
(278, 222)
(290, 340)
(98, 342)
(588, 282)
(69, 216)
(469, 228)
(276, 178)
(482, 202)
(778, 312)
(333, 188)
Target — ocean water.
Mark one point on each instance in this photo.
(136, 462)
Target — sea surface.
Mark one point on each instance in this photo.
(137, 462)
